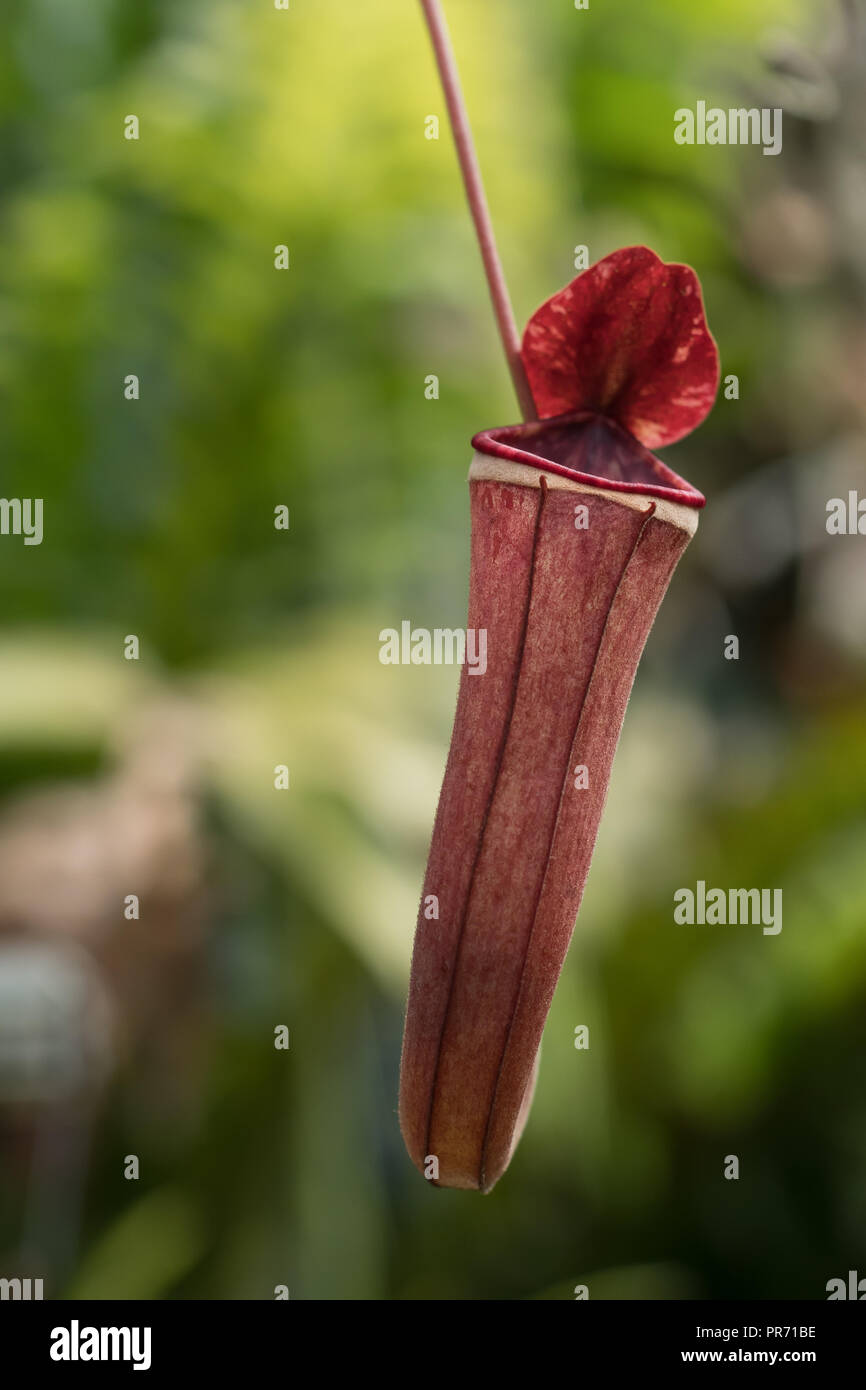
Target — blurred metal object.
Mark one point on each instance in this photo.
(808, 83)
(55, 1022)
(803, 84)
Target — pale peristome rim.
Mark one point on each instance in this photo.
(485, 468)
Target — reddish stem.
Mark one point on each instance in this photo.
(459, 119)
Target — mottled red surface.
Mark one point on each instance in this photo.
(627, 339)
(567, 613)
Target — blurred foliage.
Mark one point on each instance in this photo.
(260, 647)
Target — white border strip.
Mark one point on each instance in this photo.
(485, 467)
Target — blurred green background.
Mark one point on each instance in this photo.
(155, 1037)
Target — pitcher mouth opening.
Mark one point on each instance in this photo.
(590, 449)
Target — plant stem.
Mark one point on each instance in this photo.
(459, 119)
